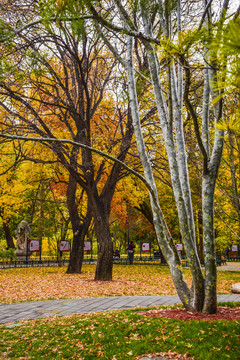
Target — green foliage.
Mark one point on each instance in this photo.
(7, 254)
(231, 123)
(5, 32)
(6, 68)
(231, 38)
(227, 48)
(191, 40)
(221, 243)
(170, 5)
(64, 11)
(78, 28)
(228, 53)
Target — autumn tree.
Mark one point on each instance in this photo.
(56, 92)
(9, 181)
(35, 193)
(227, 201)
(174, 48)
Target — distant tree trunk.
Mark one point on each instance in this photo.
(146, 210)
(76, 257)
(105, 246)
(101, 205)
(79, 228)
(105, 253)
(8, 235)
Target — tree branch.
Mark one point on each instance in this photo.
(194, 116)
(83, 146)
(228, 226)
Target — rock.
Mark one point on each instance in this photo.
(22, 252)
(235, 288)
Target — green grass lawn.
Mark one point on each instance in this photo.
(109, 335)
(118, 335)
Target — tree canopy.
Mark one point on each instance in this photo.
(92, 73)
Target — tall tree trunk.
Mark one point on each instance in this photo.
(208, 191)
(79, 228)
(200, 232)
(76, 257)
(210, 301)
(165, 241)
(210, 174)
(235, 196)
(170, 114)
(105, 246)
(8, 235)
(178, 171)
(101, 204)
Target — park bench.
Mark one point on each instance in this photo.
(223, 260)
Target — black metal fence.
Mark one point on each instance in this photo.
(61, 261)
(57, 261)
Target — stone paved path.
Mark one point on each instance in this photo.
(230, 266)
(40, 309)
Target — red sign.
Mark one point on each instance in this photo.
(87, 245)
(145, 247)
(179, 247)
(64, 245)
(234, 248)
(34, 245)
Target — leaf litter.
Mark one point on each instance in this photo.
(32, 284)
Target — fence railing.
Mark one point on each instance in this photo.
(61, 261)
(46, 261)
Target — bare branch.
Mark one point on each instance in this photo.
(83, 146)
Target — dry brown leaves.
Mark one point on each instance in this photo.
(30, 284)
(223, 313)
(169, 355)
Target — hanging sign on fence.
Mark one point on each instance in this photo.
(179, 247)
(34, 245)
(64, 245)
(234, 248)
(145, 246)
(87, 245)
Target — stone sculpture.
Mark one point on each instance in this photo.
(23, 232)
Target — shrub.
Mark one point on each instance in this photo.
(7, 254)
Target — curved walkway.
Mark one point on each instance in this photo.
(230, 266)
(40, 309)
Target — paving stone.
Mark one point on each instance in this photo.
(40, 309)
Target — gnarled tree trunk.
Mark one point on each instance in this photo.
(8, 235)
(79, 228)
(105, 247)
